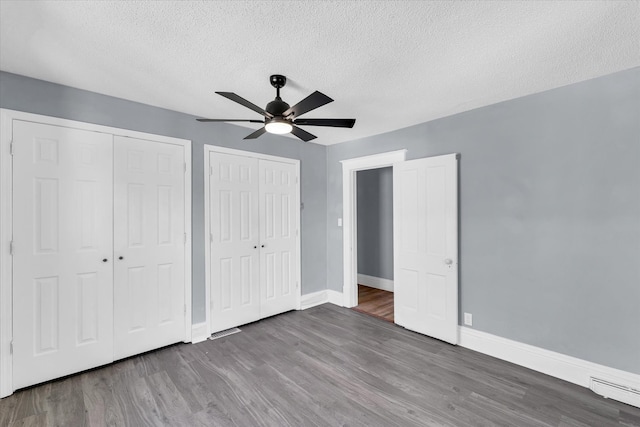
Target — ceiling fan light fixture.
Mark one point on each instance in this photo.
(278, 126)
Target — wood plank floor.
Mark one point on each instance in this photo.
(375, 302)
(325, 366)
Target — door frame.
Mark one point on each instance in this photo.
(6, 223)
(350, 216)
(208, 149)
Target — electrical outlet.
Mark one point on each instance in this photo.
(468, 319)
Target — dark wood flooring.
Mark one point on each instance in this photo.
(325, 366)
(375, 302)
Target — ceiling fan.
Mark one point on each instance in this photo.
(280, 118)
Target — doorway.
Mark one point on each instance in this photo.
(425, 217)
(374, 216)
(350, 168)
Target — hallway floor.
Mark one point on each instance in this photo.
(375, 302)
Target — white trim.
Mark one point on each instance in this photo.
(335, 297)
(207, 227)
(188, 259)
(199, 332)
(6, 266)
(253, 154)
(313, 299)
(349, 216)
(567, 368)
(375, 282)
(321, 297)
(6, 223)
(55, 121)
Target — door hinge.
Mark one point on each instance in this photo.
(185, 167)
(210, 170)
(185, 238)
(297, 285)
(297, 232)
(11, 248)
(185, 309)
(11, 347)
(11, 148)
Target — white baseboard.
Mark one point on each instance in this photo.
(567, 368)
(334, 297)
(313, 299)
(375, 282)
(320, 297)
(199, 332)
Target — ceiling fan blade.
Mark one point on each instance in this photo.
(230, 120)
(311, 102)
(336, 123)
(240, 100)
(302, 134)
(256, 134)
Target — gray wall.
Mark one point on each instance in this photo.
(36, 96)
(375, 222)
(549, 215)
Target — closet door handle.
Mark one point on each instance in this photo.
(120, 257)
(262, 246)
(255, 247)
(105, 260)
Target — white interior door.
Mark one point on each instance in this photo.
(278, 255)
(234, 240)
(425, 227)
(149, 245)
(62, 263)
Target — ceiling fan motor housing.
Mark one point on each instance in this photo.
(277, 107)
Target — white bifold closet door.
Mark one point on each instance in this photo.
(253, 239)
(98, 238)
(62, 264)
(149, 239)
(235, 241)
(277, 237)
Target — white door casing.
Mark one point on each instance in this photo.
(350, 216)
(278, 258)
(63, 266)
(425, 216)
(149, 245)
(234, 241)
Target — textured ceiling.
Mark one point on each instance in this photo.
(387, 64)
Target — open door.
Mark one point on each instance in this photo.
(425, 228)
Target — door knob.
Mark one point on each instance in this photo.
(255, 247)
(120, 257)
(448, 261)
(105, 260)
(262, 246)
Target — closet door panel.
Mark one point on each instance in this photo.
(149, 239)
(63, 266)
(234, 240)
(278, 255)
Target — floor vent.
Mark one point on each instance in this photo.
(619, 392)
(224, 333)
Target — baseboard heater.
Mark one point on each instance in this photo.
(619, 392)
